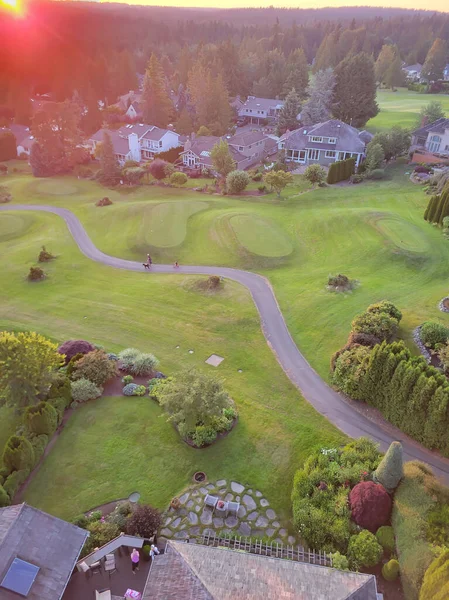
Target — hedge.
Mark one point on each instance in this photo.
(438, 207)
(18, 454)
(14, 481)
(341, 170)
(39, 443)
(41, 418)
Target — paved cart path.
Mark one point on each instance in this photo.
(324, 399)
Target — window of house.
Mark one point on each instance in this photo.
(317, 139)
(332, 140)
(314, 154)
(282, 146)
(434, 143)
(240, 148)
(160, 143)
(330, 153)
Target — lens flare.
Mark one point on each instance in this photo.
(12, 6)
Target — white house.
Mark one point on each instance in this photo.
(139, 142)
(433, 137)
(260, 109)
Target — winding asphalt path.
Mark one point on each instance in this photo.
(324, 399)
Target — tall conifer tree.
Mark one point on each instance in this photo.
(156, 104)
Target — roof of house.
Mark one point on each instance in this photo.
(262, 103)
(348, 139)
(438, 126)
(202, 146)
(22, 134)
(119, 137)
(119, 142)
(416, 67)
(196, 572)
(236, 102)
(247, 138)
(42, 540)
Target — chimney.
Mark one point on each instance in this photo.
(187, 144)
(134, 148)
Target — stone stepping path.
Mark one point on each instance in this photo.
(255, 518)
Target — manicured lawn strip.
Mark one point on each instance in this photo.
(82, 299)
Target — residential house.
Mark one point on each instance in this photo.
(38, 553)
(433, 137)
(446, 73)
(247, 149)
(258, 110)
(134, 110)
(139, 142)
(236, 104)
(202, 572)
(413, 72)
(24, 138)
(127, 99)
(324, 143)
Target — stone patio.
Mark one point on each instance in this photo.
(255, 518)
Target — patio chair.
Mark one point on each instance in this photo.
(210, 502)
(103, 595)
(109, 564)
(95, 567)
(233, 508)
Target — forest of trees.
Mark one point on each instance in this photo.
(90, 52)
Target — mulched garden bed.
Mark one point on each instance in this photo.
(114, 387)
(392, 590)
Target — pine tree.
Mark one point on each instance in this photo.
(184, 124)
(415, 418)
(355, 90)
(384, 382)
(219, 111)
(198, 87)
(298, 74)
(110, 171)
(320, 91)
(156, 104)
(394, 390)
(369, 388)
(399, 404)
(390, 470)
(436, 426)
(327, 54)
(289, 113)
(394, 76)
(435, 62)
(386, 56)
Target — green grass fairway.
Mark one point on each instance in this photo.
(400, 233)
(115, 446)
(165, 225)
(260, 236)
(402, 108)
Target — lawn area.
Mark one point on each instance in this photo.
(114, 446)
(402, 108)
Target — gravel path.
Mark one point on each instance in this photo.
(324, 399)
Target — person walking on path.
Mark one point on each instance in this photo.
(176, 265)
(135, 557)
(149, 261)
(154, 550)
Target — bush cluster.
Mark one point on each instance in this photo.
(36, 274)
(432, 334)
(95, 366)
(364, 550)
(438, 207)
(341, 170)
(136, 362)
(72, 347)
(84, 390)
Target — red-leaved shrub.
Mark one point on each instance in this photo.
(72, 347)
(157, 168)
(370, 505)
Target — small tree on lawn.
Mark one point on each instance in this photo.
(315, 174)
(144, 521)
(390, 470)
(278, 180)
(236, 181)
(374, 156)
(222, 161)
(178, 178)
(110, 170)
(158, 168)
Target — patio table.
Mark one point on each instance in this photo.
(132, 595)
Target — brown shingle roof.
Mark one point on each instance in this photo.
(196, 572)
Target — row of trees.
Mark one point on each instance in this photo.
(438, 207)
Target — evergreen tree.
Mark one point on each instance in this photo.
(156, 104)
(198, 87)
(222, 160)
(386, 57)
(430, 210)
(320, 91)
(430, 113)
(390, 470)
(436, 425)
(219, 111)
(8, 145)
(289, 113)
(355, 90)
(394, 390)
(110, 170)
(92, 119)
(374, 156)
(126, 72)
(328, 53)
(370, 391)
(415, 418)
(184, 124)
(390, 366)
(435, 62)
(394, 75)
(262, 88)
(297, 74)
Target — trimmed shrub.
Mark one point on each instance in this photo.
(315, 174)
(385, 306)
(436, 580)
(4, 497)
(157, 168)
(237, 181)
(350, 369)
(96, 367)
(178, 178)
(144, 364)
(44, 255)
(60, 388)
(340, 562)
(14, 481)
(18, 454)
(41, 418)
(390, 470)
(204, 436)
(5, 194)
(84, 390)
(144, 521)
(432, 334)
(36, 274)
(364, 339)
(385, 537)
(370, 505)
(390, 570)
(130, 389)
(380, 325)
(364, 550)
(72, 347)
(127, 379)
(59, 404)
(39, 443)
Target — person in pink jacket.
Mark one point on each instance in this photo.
(135, 558)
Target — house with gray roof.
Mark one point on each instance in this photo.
(193, 571)
(413, 72)
(324, 143)
(38, 553)
(258, 110)
(139, 142)
(433, 137)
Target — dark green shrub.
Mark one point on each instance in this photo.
(385, 537)
(356, 178)
(60, 405)
(390, 470)
(364, 339)
(60, 388)
(340, 562)
(4, 472)
(385, 306)
(39, 443)
(127, 379)
(376, 174)
(350, 369)
(146, 552)
(381, 325)
(432, 334)
(36, 274)
(14, 481)
(80, 521)
(364, 550)
(4, 498)
(94, 516)
(44, 255)
(204, 436)
(41, 418)
(72, 363)
(390, 570)
(18, 454)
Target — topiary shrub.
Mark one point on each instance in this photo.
(144, 521)
(127, 379)
(130, 389)
(72, 363)
(103, 202)
(370, 505)
(178, 178)
(390, 471)
(44, 255)
(36, 274)
(96, 367)
(237, 181)
(39, 443)
(84, 390)
(5, 194)
(363, 339)
(18, 454)
(59, 404)
(385, 537)
(4, 497)
(41, 418)
(80, 521)
(380, 325)
(364, 550)
(432, 334)
(14, 481)
(390, 570)
(436, 579)
(72, 347)
(339, 561)
(315, 174)
(203, 436)
(385, 306)
(60, 388)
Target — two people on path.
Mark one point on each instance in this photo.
(149, 262)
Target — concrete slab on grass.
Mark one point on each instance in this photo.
(214, 360)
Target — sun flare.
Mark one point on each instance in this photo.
(12, 5)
